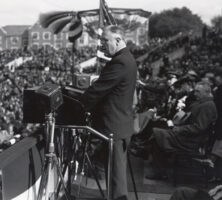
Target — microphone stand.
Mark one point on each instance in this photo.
(51, 161)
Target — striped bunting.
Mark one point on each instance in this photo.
(75, 29)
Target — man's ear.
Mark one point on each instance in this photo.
(118, 40)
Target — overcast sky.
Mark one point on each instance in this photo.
(26, 12)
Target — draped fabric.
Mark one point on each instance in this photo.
(75, 29)
(129, 19)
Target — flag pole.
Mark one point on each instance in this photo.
(101, 23)
(73, 61)
(75, 31)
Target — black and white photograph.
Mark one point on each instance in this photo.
(111, 100)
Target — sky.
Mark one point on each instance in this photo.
(26, 12)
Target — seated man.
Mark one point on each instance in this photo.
(181, 95)
(186, 136)
(216, 153)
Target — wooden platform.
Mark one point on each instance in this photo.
(86, 188)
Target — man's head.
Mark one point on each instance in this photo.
(186, 87)
(112, 40)
(202, 90)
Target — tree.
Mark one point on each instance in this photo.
(217, 22)
(170, 22)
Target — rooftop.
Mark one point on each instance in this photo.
(15, 29)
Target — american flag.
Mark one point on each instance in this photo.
(75, 29)
(105, 18)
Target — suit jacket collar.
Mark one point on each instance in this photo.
(205, 99)
(121, 51)
(200, 101)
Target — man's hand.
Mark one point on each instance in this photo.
(170, 123)
(152, 112)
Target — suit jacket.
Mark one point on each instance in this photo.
(110, 98)
(218, 100)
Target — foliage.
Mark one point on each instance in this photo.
(171, 22)
(217, 22)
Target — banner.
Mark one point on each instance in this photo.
(75, 29)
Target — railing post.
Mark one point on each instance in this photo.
(110, 168)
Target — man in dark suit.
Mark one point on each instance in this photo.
(216, 153)
(187, 136)
(110, 100)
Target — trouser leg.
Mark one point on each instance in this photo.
(184, 193)
(159, 159)
(119, 178)
(120, 190)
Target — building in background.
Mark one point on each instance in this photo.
(139, 36)
(12, 37)
(43, 37)
(15, 37)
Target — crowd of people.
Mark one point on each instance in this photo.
(201, 60)
(168, 92)
(185, 102)
(203, 56)
(45, 65)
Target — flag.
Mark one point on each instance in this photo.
(128, 19)
(105, 18)
(75, 29)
